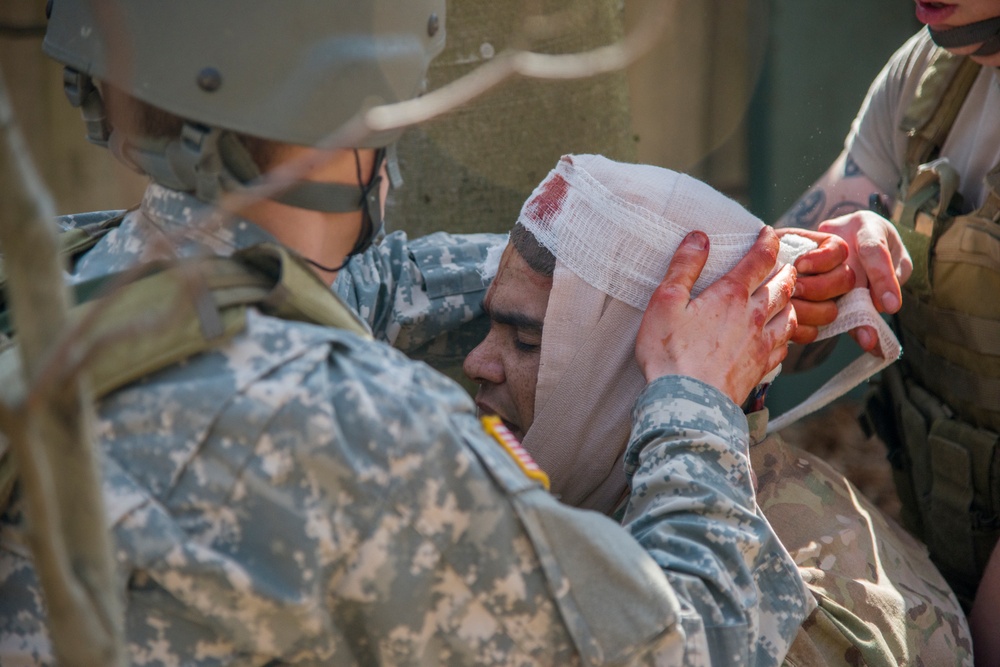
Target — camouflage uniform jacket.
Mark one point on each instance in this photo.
(307, 496)
(880, 600)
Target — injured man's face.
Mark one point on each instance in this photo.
(588, 249)
(505, 364)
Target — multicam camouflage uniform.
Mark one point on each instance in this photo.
(880, 599)
(307, 496)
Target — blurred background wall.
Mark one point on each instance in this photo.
(82, 177)
(753, 96)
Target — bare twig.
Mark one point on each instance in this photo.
(66, 525)
(521, 63)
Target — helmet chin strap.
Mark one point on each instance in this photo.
(209, 161)
(371, 209)
(986, 33)
(321, 196)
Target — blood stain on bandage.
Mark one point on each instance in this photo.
(544, 206)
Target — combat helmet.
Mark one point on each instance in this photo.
(291, 71)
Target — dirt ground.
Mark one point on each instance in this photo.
(835, 436)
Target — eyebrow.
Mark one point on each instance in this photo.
(511, 318)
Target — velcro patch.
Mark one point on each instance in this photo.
(495, 427)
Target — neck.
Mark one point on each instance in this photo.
(324, 238)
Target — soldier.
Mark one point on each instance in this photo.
(925, 150)
(301, 494)
(558, 365)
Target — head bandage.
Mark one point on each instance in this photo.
(613, 229)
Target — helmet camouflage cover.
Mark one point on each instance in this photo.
(287, 70)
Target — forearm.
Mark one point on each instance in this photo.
(841, 190)
(693, 509)
(412, 292)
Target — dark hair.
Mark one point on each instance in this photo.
(534, 253)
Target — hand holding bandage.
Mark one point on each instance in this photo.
(614, 228)
(853, 310)
(823, 275)
(879, 261)
(733, 333)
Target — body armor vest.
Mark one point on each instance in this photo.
(938, 408)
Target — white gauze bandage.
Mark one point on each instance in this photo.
(613, 229)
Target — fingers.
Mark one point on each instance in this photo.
(778, 290)
(815, 313)
(904, 265)
(805, 334)
(758, 262)
(831, 251)
(687, 264)
(824, 286)
(875, 257)
(782, 319)
(781, 329)
(656, 351)
(878, 256)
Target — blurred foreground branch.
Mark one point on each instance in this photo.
(50, 435)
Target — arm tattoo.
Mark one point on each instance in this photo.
(807, 211)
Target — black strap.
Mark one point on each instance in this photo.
(986, 32)
(82, 94)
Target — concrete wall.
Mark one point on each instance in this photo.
(754, 96)
(472, 169)
(82, 177)
(691, 93)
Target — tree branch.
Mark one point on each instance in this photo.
(52, 445)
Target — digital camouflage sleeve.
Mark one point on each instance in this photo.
(422, 296)
(741, 594)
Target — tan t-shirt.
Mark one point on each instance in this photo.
(878, 146)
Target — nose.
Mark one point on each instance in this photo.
(483, 365)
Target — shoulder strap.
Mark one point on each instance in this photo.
(182, 309)
(86, 230)
(940, 94)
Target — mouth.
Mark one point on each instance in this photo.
(934, 13)
(484, 409)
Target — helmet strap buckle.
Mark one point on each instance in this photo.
(82, 94)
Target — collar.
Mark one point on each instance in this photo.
(168, 224)
(196, 225)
